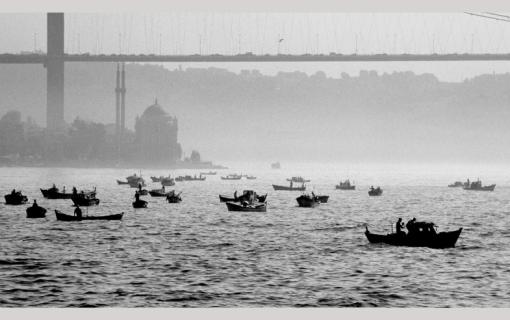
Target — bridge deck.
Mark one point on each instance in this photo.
(38, 58)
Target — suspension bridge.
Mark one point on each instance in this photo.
(55, 58)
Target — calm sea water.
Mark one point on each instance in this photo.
(198, 254)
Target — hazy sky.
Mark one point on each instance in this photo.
(231, 33)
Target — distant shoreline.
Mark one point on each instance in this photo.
(117, 166)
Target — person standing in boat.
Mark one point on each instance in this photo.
(35, 205)
(137, 196)
(77, 212)
(399, 226)
(410, 225)
(291, 184)
(140, 187)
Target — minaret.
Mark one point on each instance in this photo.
(117, 105)
(123, 102)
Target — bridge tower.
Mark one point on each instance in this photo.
(55, 72)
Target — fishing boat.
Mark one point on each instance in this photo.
(15, 198)
(307, 201)
(232, 177)
(122, 182)
(246, 196)
(139, 204)
(167, 182)
(251, 177)
(456, 184)
(298, 179)
(65, 217)
(54, 193)
(36, 211)
(190, 178)
(246, 207)
(210, 173)
(477, 186)
(289, 188)
(158, 192)
(424, 236)
(173, 198)
(275, 165)
(84, 199)
(345, 185)
(375, 192)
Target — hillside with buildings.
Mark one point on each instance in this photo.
(229, 116)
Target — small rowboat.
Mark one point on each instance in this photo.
(122, 182)
(84, 201)
(140, 204)
(15, 199)
(307, 201)
(245, 196)
(158, 193)
(256, 207)
(375, 192)
(65, 217)
(36, 212)
(173, 198)
(54, 193)
(432, 240)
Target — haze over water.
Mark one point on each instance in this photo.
(196, 253)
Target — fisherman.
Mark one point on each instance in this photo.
(64, 189)
(235, 195)
(77, 212)
(291, 184)
(410, 225)
(34, 205)
(371, 188)
(13, 192)
(139, 187)
(400, 226)
(54, 187)
(75, 191)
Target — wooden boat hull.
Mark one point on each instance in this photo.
(65, 217)
(50, 194)
(307, 202)
(375, 193)
(173, 199)
(157, 193)
(438, 241)
(36, 212)
(140, 204)
(486, 188)
(84, 202)
(288, 188)
(15, 199)
(231, 206)
(241, 198)
(338, 187)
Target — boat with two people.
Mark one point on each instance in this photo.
(420, 234)
(310, 201)
(247, 194)
(36, 211)
(138, 204)
(477, 186)
(374, 191)
(15, 198)
(78, 217)
(249, 203)
(54, 193)
(345, 185)
(84, 198)
(158, 192)
(172, 197)
(291, 187)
